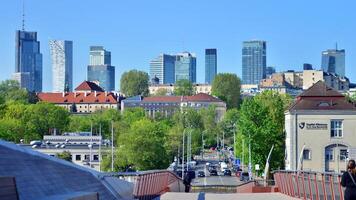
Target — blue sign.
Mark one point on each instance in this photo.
(238, 162)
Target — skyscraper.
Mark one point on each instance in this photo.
(210, 65)
(253, 61)
(185, 67)
(62, 65)
(162, 67)
(28, 61)
(333, 61)
(270, 70)
(100, 69)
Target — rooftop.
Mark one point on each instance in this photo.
(200, 97)
(78, 97)
(89, 86)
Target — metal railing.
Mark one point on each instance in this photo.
(309, 185)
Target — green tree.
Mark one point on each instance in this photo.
(184, 87)
(143, 146)
(228, 125)
(226, 86)
(10, 91)
(134, 83)
(65, 155)
(261, 123)
(11, 130)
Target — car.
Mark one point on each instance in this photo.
(201, 174)
(227, 172)
(244, 176)
(213, 172)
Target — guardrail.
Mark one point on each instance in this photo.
(309, 185)
(151, 184)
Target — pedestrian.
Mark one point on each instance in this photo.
(186, 181)
(348, 181)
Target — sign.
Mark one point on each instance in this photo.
(313, 126)
(237, 162)
(257, 167)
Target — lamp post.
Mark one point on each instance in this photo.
(202, 144)
(183, 155)
(249, 157)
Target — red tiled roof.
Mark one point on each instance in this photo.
(321, 97)
(78, 97)
(89, 86)
(201, 97)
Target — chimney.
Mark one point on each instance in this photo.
(63, 94)
(95, 93)
(85, 94)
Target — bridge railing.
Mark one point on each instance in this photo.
(309, 185)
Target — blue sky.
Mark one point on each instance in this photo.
(137, 31)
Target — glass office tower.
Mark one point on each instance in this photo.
(162, 68)
(333, 61)
(185, 67)
(100, 70)
(210, 65)
(62, 65)
(253, 61)
(28, 61)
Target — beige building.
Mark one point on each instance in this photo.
(310, 77)
(321, 121)
(199, 88)
(88, 97)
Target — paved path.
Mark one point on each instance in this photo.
(210, 196)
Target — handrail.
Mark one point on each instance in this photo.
(309, 184)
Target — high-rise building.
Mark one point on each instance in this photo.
(333, 61)
(28, 61)
(185, 67)
(307, 66)
(270, 70)
(62, 65)
(100, 70)
(253, 61)
(162, 68)
(210, 65)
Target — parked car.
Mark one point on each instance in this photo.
(201, 174)
(227, 172)
(213, 172)
(244, 176)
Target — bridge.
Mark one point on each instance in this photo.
(27, 174)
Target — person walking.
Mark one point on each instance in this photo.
(186, 181)
(348, 181)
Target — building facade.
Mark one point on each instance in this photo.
(211, 62)
(310, 77)
(320, 130)
(199, 88)
(62, 65)
(270, 70)
(168, 105)
(28, 61)
(185, 67)
(333, 61)
(87, 98)
(253, 61)
(163, 68)
(100, 69)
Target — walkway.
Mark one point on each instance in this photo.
(236, 196)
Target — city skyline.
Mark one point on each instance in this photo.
(125, 39)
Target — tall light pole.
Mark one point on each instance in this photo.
(183, 156)
(112, 146)
(100, 148)
(249, 157)
(202, 144)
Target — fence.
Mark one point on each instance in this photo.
(309, 185)
(149, 185)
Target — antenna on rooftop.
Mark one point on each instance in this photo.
(336, 46)
(23, 15)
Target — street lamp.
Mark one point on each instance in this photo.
(202, 144)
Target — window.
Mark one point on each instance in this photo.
(336, 128)
(343, 154)
(96, 157)
(78, 157)
(329, 154)
(306, 154)
(86, 157)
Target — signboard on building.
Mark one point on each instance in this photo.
(313, 126)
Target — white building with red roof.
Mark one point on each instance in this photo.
(88, 97)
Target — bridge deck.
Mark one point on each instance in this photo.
(236, 196)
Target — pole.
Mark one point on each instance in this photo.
(217, 146)
(100, 148)
(249, 158)
(183, 156)
(243, 154)
(202, 145)
(337, 157)
(112, 146)
(91, 144)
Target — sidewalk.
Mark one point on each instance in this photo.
(235, 196)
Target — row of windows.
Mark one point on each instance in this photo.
(86, 157)
(329, 154)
